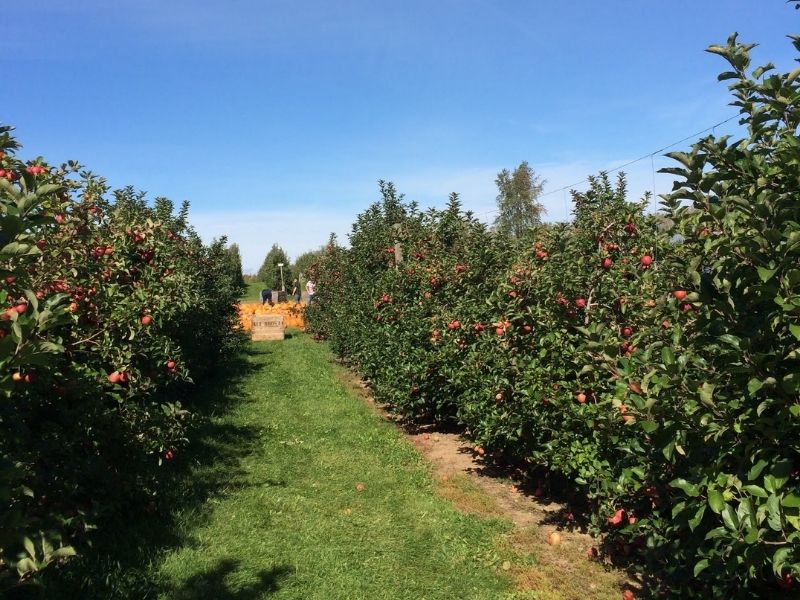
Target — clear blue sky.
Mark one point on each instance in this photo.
(275, 118)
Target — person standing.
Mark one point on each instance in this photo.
(311, 289)
(296, 291)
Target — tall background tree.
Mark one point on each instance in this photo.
(305, 260)
(233, 265)
(517, 201)
(270, 272)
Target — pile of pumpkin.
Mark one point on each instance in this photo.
(292, 313)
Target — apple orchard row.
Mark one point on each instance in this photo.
(113, 305)
(644, 368)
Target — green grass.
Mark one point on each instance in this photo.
(253, 292)
(268, 507)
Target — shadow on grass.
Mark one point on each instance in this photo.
(118, 561)
(215, 583)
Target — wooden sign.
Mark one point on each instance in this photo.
(267, 327)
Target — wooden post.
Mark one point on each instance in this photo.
(398, 247)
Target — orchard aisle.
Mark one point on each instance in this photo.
(324, 500)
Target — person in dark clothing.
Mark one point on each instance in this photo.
(266, 296)
(296, 291)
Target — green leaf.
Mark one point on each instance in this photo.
(755, 490)
(756, 469)
(717, 532)
(729, 518)
(752, 535)
(48, 188)
(766, 274)
(667, 355)
(779, 559)
(778, 476)
(697, 518)
(727, 75)
(795, 330)
(689, 489)
(746, 512)
(754, 385)
(17, 249)
(774, 513)
(649, 426)
(64, 552)
(25, 566)
(701, 566)
(29, 547)
(715, 500)
(791, 500)
(706, 392)
(729, 339)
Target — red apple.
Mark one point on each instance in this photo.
(114, 377)
(646, 261)
(679, 294)
(618, 517)
(580, 302)
(786, 582)
(146, 320)
(607, 262)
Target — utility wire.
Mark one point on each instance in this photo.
(650, 155)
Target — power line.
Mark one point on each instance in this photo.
(633, 162)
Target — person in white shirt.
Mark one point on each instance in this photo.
(311, 289)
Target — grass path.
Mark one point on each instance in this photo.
(286, 518)
(294, 488)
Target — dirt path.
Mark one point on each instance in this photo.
(450, 455)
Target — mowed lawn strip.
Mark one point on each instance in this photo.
(292, 523)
